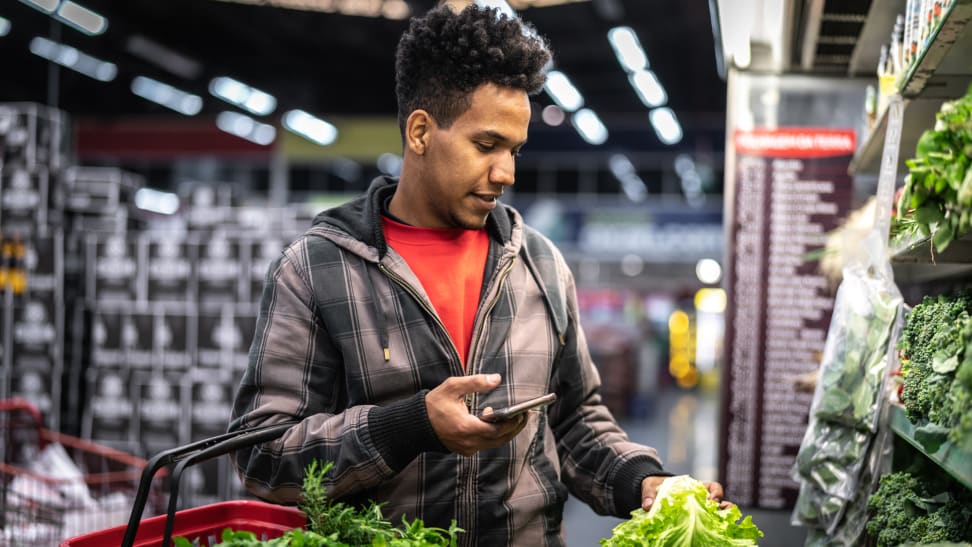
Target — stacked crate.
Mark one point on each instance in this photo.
(147, 330)
(172, 315)
(33, 153)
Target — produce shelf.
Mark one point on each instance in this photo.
(955, 462)
(916, 262)
(942, 69)
(918, 115)
(941, 73)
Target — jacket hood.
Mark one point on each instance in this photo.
(360, 217)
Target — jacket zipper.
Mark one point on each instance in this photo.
(422, 302)
(470, 398)
(477, 335)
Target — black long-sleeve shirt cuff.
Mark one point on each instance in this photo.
(402, 430)
(627, 492)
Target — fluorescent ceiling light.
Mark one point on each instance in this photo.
(70, 57)
(156, 53)
(666, 125)
(392, 9)
(47, 6)
(563, 92)
(239, 94)
(590, 127)
(155, 201)
(81, 18)
(627, 48)
(4, 26)
(623, 170)
(167, 96)
(246, 127)
(310, 127)
(648, 88)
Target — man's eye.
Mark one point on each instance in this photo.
(516, 153)
(484, 147)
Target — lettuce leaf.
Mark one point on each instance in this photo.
(682, 516)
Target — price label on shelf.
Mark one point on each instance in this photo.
(887, 178)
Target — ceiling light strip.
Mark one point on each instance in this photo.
(310, 127)
(562, 91)
(164, 94)
(81, 18)
(46, 6)
(590, 126)
(246, 127)
(242, 95)
(74, 59)
(666, 125)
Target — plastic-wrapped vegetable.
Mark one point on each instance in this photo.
(818, 509)
(848, 401)
(854, 365)
(831, 456)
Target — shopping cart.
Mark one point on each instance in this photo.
(43, 504)
(202, 525)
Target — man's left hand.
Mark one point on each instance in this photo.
(649, 488)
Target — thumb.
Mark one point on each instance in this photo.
(649, 490)
(474, 383)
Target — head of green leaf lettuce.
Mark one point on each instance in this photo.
(683, 516)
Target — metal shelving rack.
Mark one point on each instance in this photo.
(942, 72)
(955, 462)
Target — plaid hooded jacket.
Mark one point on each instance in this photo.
(347, 343)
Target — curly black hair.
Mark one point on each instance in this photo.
(444, 56)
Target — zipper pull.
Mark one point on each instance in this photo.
(469, 401)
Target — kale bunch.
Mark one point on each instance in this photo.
(931, 348)
(909, 508)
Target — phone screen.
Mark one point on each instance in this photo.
(512, 411)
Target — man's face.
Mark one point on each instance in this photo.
(467, 166)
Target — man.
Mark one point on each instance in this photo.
(401, 316)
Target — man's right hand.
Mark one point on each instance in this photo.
(457, 429)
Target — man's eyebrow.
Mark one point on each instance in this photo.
(496, 135)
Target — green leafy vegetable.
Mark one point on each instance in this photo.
(683, 516)
(910, 508)
(936, 367)
(937, 196)
(336, 524)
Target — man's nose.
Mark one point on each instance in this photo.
(503, 171)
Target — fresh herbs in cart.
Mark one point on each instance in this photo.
(336, 524)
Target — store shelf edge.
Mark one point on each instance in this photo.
(956, 463)
(954, 25)
(941, 73)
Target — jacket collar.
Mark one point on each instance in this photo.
(361, 217)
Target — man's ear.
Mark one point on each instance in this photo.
(418, 128)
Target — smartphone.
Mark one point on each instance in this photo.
(512, 411)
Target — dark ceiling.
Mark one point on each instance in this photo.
(338, 65)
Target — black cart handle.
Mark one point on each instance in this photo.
(190, 454)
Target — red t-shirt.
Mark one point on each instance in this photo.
(449, 262)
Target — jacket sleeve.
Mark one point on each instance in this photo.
(600, 465)
(295, 372)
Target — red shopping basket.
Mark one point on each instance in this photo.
(41, 509)
(204, 525)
